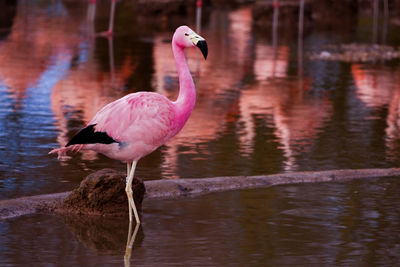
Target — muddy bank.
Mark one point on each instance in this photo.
(26, 205)
(106, 195)
(192, 187)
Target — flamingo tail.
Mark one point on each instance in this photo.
(61, 152)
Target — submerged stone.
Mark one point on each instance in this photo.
(102, 193)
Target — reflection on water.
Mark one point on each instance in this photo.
(254, 114)
(257, 112)
(378, 88)
(354, 224)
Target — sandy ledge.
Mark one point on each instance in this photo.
(180, 188)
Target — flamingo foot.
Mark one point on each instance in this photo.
(107, 34)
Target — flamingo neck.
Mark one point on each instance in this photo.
(187, 92)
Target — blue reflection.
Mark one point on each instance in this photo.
(26, 126)
(57, 9)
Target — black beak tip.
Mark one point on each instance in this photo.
(202, 45)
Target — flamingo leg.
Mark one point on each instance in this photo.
(112, 12)
(91, 11)
(129, 244)
(129, 203)
(129, 192)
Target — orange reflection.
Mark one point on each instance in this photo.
(35, 43)
(296, 115)
(379, 88)
(270, 62)
(372, 85)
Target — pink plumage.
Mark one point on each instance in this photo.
(137, 124)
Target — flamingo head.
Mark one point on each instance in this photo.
(186, 37)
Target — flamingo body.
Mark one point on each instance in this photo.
(137, 124)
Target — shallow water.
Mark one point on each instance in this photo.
(261, 109)
(354, 224)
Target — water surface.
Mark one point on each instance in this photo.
(355, 224)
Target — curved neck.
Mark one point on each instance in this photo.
(187, 92)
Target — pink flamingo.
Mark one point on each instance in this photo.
(137, 124)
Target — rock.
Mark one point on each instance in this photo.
(325, 55)
(102, 193)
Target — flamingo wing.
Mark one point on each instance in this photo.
(136, 118)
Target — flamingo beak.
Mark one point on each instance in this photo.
(200, 42)
(202, 45)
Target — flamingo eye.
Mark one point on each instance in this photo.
(186, 34)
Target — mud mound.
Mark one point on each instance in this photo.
(102, 193)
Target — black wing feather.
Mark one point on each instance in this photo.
(89, 136)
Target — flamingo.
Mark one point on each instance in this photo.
(137, 124)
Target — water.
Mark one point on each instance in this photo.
(261, 109)
(354, 224)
